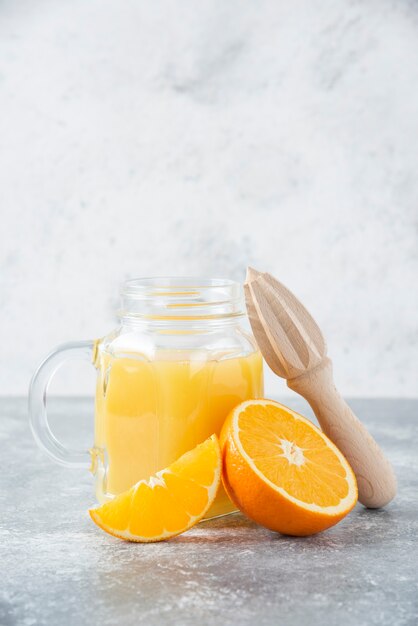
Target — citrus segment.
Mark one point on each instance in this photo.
(282, 471)
(168, 503)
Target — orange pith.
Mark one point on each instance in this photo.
(282, 471)
(166, 504)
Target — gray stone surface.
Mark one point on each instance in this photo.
(57, 568)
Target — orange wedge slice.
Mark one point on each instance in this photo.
(282, 471)
(166, 504)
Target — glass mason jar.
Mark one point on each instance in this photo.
(167, 377)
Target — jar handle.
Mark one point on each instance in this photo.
(38, 415)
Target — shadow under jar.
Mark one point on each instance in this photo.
(167, 378)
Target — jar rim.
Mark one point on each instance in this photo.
(144, 284)
(181, 298)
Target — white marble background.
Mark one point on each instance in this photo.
(182, 137)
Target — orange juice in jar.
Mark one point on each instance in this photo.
(167, 378)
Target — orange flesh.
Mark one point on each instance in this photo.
(310, 472)
(168, 503)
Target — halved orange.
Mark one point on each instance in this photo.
(168, 503)
(282, 471)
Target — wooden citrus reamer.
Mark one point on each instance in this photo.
(294, 347)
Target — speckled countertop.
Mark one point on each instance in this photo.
(57, 568)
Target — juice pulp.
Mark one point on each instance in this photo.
(148, 413)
